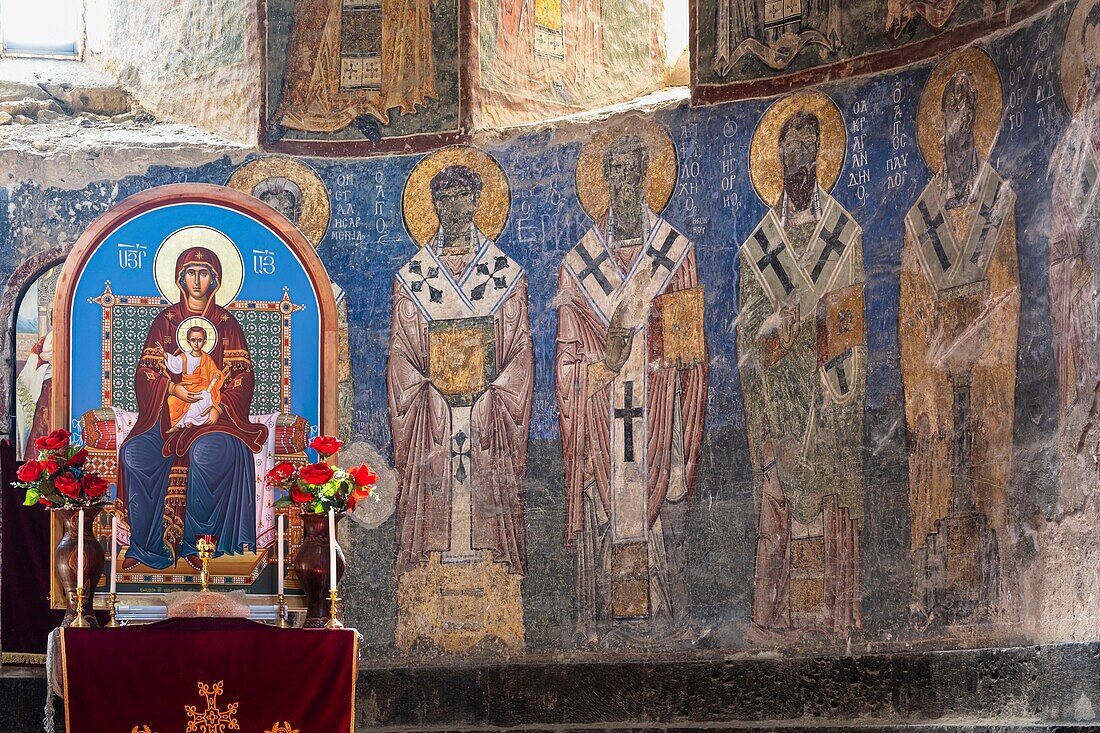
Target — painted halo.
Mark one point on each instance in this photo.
(1073, 56)
(765, 171)
(164, 264)
(592, 188)
(205, 325)
(987, 116)
(493, 204)
(316, 210)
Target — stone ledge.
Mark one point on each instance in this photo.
(1042, 688)
(1017, 686)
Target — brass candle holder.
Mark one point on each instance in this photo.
(112, 608)
(333, 622)
(79, 622)
(284, 612)
(205, 546)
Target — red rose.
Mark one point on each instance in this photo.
(78, 458)
(351, 502)
(326, 445)
(363, 475)
(316, 473)
(94, 485)
(44, 501)
(280, 473)
(300, 497)
(29, 471)
(67, 485)
(50, 467)
(54, 441)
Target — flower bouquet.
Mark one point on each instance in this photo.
(322, 494)
(57, 479)
(318, 487)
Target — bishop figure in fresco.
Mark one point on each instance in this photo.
(959, 312)
(214, 450)
(460, 381)
(802, 347)
(1074, 265)
(631, 379)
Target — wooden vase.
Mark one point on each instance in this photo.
(65, 557)
(312, 567)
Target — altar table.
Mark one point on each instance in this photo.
(209, 676)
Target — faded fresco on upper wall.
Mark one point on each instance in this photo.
(739, 45)
(808, 372)
(362, 76)
(538, 59)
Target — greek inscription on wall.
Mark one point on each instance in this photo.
(860, 176)
(898, 163)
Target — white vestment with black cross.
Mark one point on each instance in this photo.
(958, 268)
(468, 301)
(607, 287)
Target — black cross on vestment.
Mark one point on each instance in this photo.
(931, 233)
(628, 413)
(660, 256)
(837, 362)
(832, 244)
(770, 259)
(434, 293)
(498, 280)
(592, 267)
(991, 219)
(461, 451)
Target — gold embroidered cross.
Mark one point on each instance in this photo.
(212, 720)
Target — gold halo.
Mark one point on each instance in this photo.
(188, 324)
(987, 116)
(493, 204)
(164, 264)
(592, 189)
(316, 209)
(1073, 56)
(765, 171)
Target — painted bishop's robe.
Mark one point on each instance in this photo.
(460, 380)
(959, 314)
(1074, 279)
(630, 439)
(803, 353)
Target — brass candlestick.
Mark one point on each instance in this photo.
(79, 622)
(284, 623)
(333, 622)
(206, 554)
(112, 608)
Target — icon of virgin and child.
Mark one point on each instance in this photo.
(187, 466)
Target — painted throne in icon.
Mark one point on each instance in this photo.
(267, 329)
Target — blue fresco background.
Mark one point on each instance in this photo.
(715, 205)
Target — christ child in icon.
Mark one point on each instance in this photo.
(196, 397)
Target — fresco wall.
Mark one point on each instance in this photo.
(543, 59)
(363, 76)
(742, 49)
(794, 373)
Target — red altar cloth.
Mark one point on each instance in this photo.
(209, 672)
